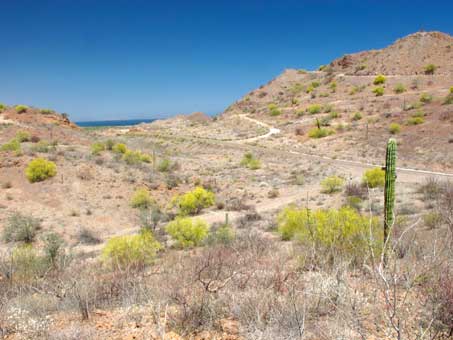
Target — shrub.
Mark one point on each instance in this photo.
(27, 264)
(42, 146)
(449, 98)
(432, 219)
(357, 116)
(334, 115)
(342, 231)
(40, 169)
(419, 113)
(131, 251)
(378, 91)
(2, 107)
(52, 247)
(132, 157)
(374, 178)
(12, 145)
(22, 136)
(21, 108)
(319, 133)
(109, 144)
(332, 184)
(119, 148)
(274, 110)
(187, 232)
(394, 128)
(379, 80)
(46, 111)
(21, 228)
(145, 158)
(314, 109)
(415, 121)
(250, 162)
(399, 88)
(164, 165)
(430, 69)
(97, 148)
(315, 84)
(194, 201)
(142, 199)
(426, 98)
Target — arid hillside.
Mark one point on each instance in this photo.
(360, 100)
(263, 223)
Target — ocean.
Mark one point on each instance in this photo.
(102, 123)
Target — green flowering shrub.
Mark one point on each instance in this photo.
(131, 251)
(40, 169)
(97, 148)
(22, 136)
(379, 80)
(187, 232)
(374, 178)
(119, 148)
(142, 199)
(249, 161)
(21, 108)
(194, 201)
(344, 232)
(332, 184)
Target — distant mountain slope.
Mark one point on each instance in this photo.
(406, 56)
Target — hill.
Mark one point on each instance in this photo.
(358, 109)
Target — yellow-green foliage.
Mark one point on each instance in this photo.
(40, 169)
(249, 161)
(315, 108)
(145, 158)
(22, 136)
(194, 201)
(132, 157)
(430, 69)
(426, 98)
(142, 199)
(342, 231)
(21, 108)
(379, 80)
(187, 232)
(12, 145)
(46, 111)
(131, 251)
(97, 148)
(2, 107)
(274, 110)
(394, 128)
(378, 91)
(374, 178)
(119, 148)
(332, 184)
(357, 116)
(415, 120)
(399, 88)
(451, 89)
(320, 133)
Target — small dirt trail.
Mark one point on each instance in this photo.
(273, 130)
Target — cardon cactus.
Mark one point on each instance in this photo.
(389, 189)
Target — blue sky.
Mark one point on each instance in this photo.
(142, 59)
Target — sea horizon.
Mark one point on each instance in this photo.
(114, 122)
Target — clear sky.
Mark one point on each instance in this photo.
(117, 59)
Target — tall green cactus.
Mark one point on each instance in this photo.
(389, 189)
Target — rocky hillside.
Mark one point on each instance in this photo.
(361, 99)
